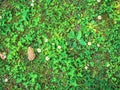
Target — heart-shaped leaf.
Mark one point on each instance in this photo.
(82, 42)
(79, 35)
(71, 34)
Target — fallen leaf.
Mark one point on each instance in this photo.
(31, 54)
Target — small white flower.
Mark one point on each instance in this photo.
(59, 47)
(98, 45)
(0, 17)
(2, 56)
(46, 40)
(32, 4)
(6, 80)
(39, 14)
(53, 43)
(108, 65)
(86, 67)
(89, 43)
(47, 58)
(115, 22)
(38, 50)
(32, 0)
(99, 17)
(98, 0)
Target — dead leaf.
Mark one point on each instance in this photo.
(31, 54)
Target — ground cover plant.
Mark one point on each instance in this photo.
(59, 44)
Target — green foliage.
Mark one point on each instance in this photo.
(78, 39)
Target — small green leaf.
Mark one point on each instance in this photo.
(74, 44)
(48, 1)
(79, 35)
(82, 42)
(92, 64)
(71, 34)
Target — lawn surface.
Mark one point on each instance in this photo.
(76, 44)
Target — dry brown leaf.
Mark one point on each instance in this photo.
(31, 54)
